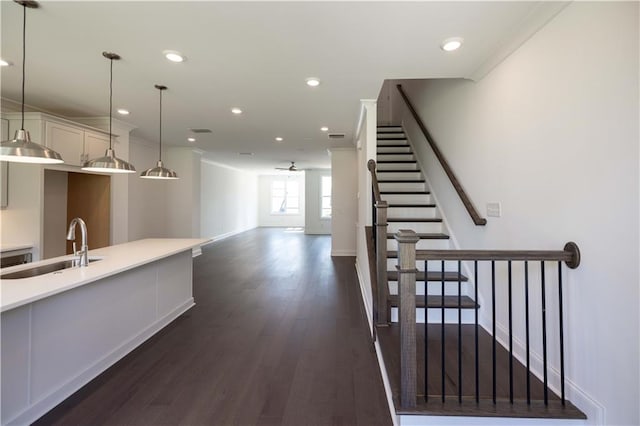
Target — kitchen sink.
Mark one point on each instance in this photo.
(42, 269)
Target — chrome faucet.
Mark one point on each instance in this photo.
(83, 259)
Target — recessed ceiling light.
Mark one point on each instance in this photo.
(191, 139)
(173, 56)
(279, 139)
(4, 63)
(324, 129)
(236, 110)
(123, 111)
(451, 44)
(313, 82)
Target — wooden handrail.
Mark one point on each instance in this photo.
(570, 255)
(475, 216)
(371, 165)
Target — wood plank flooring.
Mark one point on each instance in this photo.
(278, 336)
(389, 338)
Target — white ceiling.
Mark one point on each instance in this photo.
(254, 55)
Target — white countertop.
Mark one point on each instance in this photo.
(115, 259)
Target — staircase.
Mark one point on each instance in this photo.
(442, 362)
(410, 206)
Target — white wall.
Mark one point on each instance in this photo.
(344, 208)
(552, 133)
(265, 218)
(229, 200)
(313, 222)
(183, 194)
(148, 202)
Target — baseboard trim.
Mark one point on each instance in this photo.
(579, 397)
(343, 252)
(221, 237)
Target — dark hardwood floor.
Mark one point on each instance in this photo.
(278, 336)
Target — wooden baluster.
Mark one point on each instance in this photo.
(407, 240)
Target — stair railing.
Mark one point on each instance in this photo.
(407, 257)
(475, 216)
(380, 237)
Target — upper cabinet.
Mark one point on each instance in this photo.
(76, 143)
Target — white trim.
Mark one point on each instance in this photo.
(537, 18)
(220, 237)
(224, 166)
(381, 365)
(367, 309)
(343, 252)
(579, 397)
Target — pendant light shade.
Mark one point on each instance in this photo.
(159, 172)
(20, 149)
(109, 163)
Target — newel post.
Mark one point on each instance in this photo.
(381, 262)
(407, 240)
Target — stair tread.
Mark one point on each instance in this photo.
(436, 301)
(405, 192)
(396, 161)
(391, 145)
(397, 171)
(400, 180)
(433, 276)
(414, 219)
(412, 205)
(425, 236)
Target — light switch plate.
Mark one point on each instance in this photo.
(494, 209)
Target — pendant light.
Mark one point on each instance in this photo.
(109, 163)
(20, 149)
(159, 172)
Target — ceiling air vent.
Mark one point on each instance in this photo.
(201, 130)
(336, 135)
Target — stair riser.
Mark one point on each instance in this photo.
(412, 212)
(394, 149)
(396, 144)
(390, 129)
(407, 198)
(396, 166)
(435, 288)
(392, 245)
(435, 316)
(419, 227)
(433, 266)
(395, 157)
(401, 186)
(399, 175)
(390, 135)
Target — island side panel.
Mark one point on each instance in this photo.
(74, 336)
(14, 356)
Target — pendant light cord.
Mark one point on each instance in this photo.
(110, 100)
(24, 48)
(160, 125)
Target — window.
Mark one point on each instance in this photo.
(285, 198)
(325, 197)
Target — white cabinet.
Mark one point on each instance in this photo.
(95, 145)
(75, 144)
(67, 141)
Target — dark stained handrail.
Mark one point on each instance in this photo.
(475, 216)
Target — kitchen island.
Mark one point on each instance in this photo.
(62, 329)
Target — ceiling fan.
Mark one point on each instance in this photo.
(291, 168)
